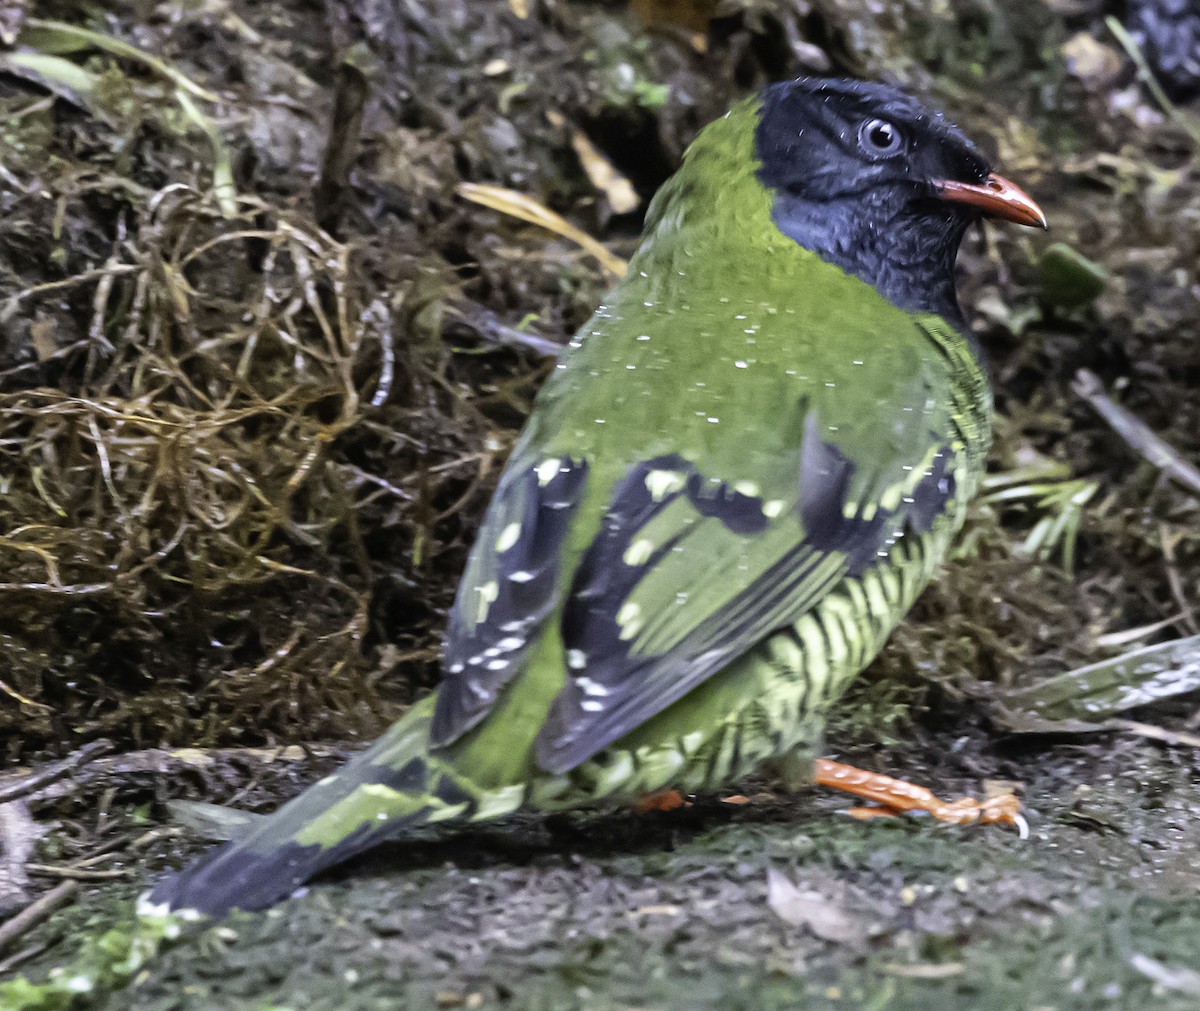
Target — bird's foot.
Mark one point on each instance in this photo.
(895, 796)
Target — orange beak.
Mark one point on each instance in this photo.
(996, 197)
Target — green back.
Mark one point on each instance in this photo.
(732, 347)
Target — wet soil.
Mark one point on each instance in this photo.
(1099, 907)
(243, 449)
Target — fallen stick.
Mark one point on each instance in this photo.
(1136, 432)
(36, 912)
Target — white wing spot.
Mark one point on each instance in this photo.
(521, 576)
(487, 594)
(629, 618)
(590, 687)
(511, 643)
(773, 508)
(576, 659)
(638, 552)
(748, 488)
(547, 470)
(508, 537)
(661, 483)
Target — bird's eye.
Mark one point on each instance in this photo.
(879, 137)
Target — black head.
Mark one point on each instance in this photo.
(874, 182)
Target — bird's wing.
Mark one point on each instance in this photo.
(693, 564)
(689, 573)
(510, 586)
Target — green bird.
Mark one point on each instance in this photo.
(740, 475)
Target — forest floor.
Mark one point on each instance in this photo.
(261, 361)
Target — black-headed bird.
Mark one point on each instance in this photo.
(740, 475)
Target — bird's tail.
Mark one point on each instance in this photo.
(393, 786)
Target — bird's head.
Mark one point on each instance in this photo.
(871, 180)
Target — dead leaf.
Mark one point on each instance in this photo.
(925, 970)
(1171, 977)
(1092, 62)
(518, 205)
(823, 917)
(617, 188)
(42, 331)
(1100, 690)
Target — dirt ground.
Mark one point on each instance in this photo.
(1099, 907)
(261, 361)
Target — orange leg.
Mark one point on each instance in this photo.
(664, 800)
(895, 796)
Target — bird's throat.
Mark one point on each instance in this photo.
(908, 259)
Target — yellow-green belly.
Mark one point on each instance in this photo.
(768, 704)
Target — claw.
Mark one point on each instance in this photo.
(1022, 825)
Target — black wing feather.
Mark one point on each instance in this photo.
(611, 687)
(509, 589)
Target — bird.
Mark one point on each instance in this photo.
(740, 474)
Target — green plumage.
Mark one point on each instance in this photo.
(747, 466)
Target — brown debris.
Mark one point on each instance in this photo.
(242, 459)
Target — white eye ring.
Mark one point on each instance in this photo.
(878, 137)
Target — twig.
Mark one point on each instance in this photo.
(1114, 640)
(488, 326)
(24, 955)
(48, 774)
(341, 146)
(84, 277)
(12, 693)
(1030, 723)
(1174, 580)
(106, 851)
(76, 873)
(1136, 433)
(163, 832)
(1177, 737)
(36, 912)
(158, 762)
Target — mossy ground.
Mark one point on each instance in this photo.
(1100, 907)
(244, 447)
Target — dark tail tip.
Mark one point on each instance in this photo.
(268, 864)
(237, 876)
(234, 877)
